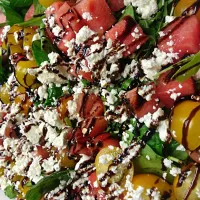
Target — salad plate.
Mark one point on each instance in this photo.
(99, 99)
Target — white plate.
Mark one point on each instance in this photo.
(2, 196)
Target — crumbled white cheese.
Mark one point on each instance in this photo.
(84, 34)
(198, 192)
(34, 134)
(167, 163)
(50, 164)
(53, 57)
(180, 148)
(87, 16)
(36, 37)
(169, 19)
(175, 171)
(82, 160)
(163, 130)
(4, 32)
(42, 92)
(144, 7)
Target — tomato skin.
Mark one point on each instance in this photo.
(133, 98)
(2, 20)
(93, 106)
(182, 5)
(180, 114)
(98, 125)
(43, 152)
(165, 89)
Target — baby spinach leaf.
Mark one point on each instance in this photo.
(156, 144)
(189, 69)
(38, 52)
(47, 184)
(12, 16)
(152, 166)
(35, 21)
(20, 3)
(129, 11)
(39, 9)
(53, 93)
(171, 149)
(10, 192)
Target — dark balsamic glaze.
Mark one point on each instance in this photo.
(186, 126)
(193, 9)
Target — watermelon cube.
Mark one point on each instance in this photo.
(96, 14)
(116, 5)
(184, 38)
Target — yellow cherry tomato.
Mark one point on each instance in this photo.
(22, 75)
(184, 125)
(152, 185)
(64, 159)
(104, 160)
(47, 3)
(187, 184)
(12, 38)
(2, 171)
(4, 93)
(182, 6)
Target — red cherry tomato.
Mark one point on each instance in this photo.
(29, 13)
(41, 151)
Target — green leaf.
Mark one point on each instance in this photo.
(171, 151)
(38, 53)
(126, 84)
(152, 166)
(35, 21)
(129, 11)
(12, 16)
(39, 9)
(3, 24)
(21, 3)
(156, 144)
(53, 93)
(10, 192)
(189, 69)
(47, 184)
(143, 131)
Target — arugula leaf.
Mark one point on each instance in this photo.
(47, 184)
(126, 84)
(21, 3)
(53, 93)
(171, 150)
(152, 166)
(10, 192)
(189, 69)
(38, 53)
(156, 144)
(12, 16)
(35, 21)
(129, 11)
(39, 9)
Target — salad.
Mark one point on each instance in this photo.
(100, 99)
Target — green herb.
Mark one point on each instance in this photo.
(47, 184)
(54, 93)
(85, 82)
(171, 150)
(39, 9)
(152, 166)
(10, 192)
(38, 52)
(35, 21)
(126, 84)
(21, 3)
(189, 69)
(156, 144)
(129, 11)
(12, 16)
(29, 184)
(143, 131)
(68, 121)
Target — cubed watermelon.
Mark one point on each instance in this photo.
(61, 13)
(184, 39)
(127, 32)
(101, 17)
(53, 8)
(116, 5)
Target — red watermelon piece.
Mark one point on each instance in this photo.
(53, 8)
(2, 20)
(116, 5)
(184, 39)
(101, 14)
(127, 32)
(29, 13)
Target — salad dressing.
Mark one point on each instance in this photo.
(193, 9)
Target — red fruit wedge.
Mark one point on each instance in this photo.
(184, 39)
(165, 89)
(29, 13)
(102, 18)
(116, 5)
(53, 8)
